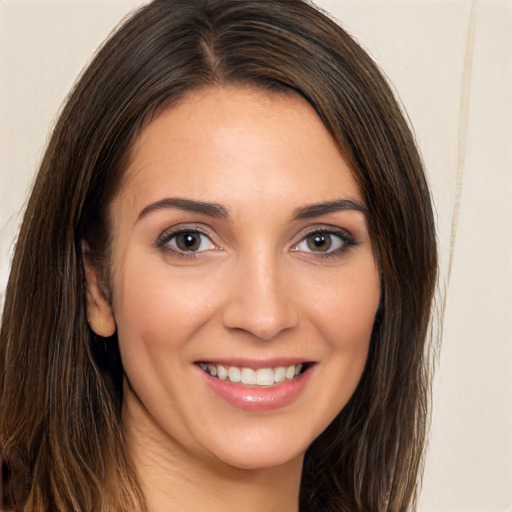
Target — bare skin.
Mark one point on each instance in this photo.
(240, 242)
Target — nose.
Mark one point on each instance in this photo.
(260, 301)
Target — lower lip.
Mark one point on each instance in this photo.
(252, 398)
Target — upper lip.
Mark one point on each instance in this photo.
(256, 363)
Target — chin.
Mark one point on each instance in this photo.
(258, 460)
(260, 449)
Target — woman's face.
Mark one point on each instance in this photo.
(240, 251)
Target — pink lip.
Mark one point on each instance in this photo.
(255, 363)
(252, 398)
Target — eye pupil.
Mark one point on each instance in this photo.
(319, 242)
(188, 241)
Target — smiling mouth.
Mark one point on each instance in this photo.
(263, 377)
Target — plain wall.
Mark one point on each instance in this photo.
(451, 64)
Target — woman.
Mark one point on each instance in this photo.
(221, 290)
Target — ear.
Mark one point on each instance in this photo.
(100, 315)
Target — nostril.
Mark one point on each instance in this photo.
(259, 321)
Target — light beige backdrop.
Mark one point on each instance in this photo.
(451, 64)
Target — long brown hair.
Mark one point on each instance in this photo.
(60, 390)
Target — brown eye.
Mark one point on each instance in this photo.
(189, 242)
(319, 242)
(325, 242)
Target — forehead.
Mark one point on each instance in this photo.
(239, 145)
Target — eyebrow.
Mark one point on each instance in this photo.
(221, 212)
(319, 209)
(187, 205)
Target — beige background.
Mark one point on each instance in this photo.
(451, 64)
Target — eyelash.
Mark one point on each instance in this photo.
(344, 236)
(164, 239)
(347, 241)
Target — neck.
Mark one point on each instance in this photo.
(176, 479)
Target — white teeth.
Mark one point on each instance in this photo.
(234, 374)
(250, 377)
(279, 374)
(222, 373)
(265, 377)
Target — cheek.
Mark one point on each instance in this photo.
(345, 314)
(345, 307)
(157, 308)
